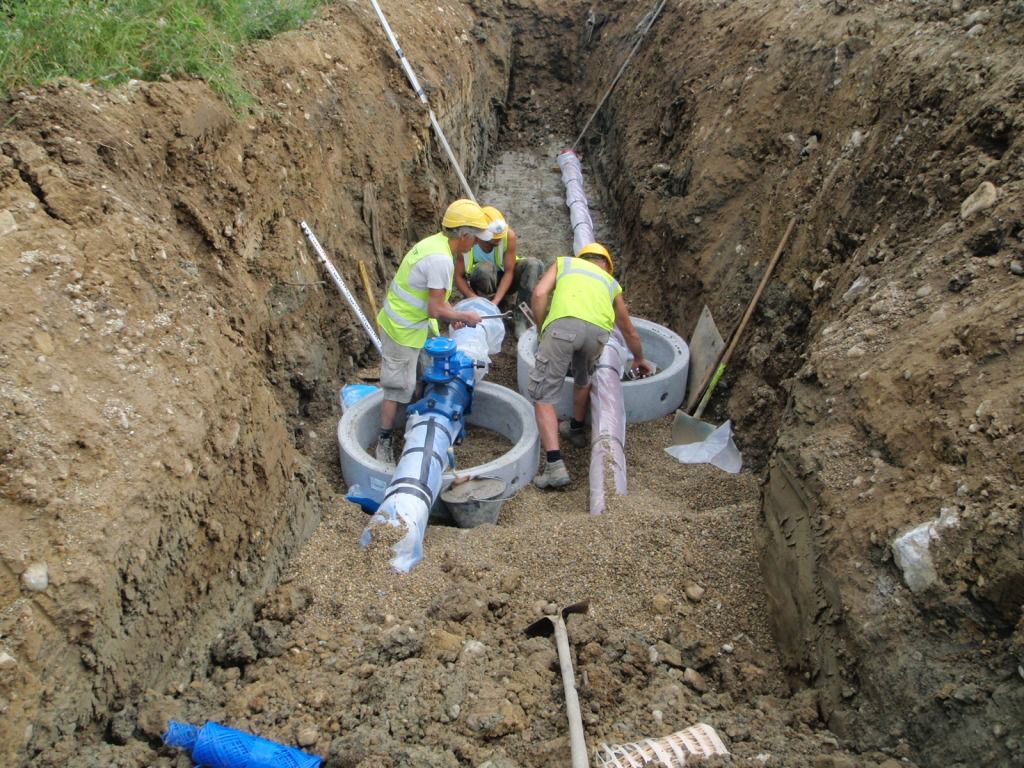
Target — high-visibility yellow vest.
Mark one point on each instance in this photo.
(404, 316)
(496, 256)
(585, 291)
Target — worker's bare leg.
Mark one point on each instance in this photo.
(580, 400)
(547, 425)
(388, 411)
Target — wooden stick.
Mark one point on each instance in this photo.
(369, 291)
(715, 373)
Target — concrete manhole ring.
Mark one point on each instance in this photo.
(495, 408)
(644, 399)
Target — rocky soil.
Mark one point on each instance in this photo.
(174, 542)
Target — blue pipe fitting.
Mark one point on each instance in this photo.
(449, 382)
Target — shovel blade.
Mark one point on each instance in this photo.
(686, 429)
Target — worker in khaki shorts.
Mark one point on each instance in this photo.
(417, 298)
(586, 302)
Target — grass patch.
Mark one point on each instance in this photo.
(109, 42)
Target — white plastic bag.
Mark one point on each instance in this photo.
(718, 449)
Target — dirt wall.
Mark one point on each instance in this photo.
(167, 330)
(882, 367)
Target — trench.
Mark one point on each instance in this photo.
(713, 598)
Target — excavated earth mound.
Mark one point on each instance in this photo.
(174, 539)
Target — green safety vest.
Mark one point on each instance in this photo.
(404, 316)
(585, 291)
(496, 256)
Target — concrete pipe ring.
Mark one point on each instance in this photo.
(496, 408)
(644, 399)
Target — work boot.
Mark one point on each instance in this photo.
(555, 475)
(577, 437)
(385, 451)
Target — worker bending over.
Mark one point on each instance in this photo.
(575, 326)
(417, 298)
(493, 268)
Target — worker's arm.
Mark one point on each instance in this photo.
(625, 324)
(439, 308)
(542, 296)
(509, 267)
(461, 279)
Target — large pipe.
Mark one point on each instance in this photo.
(607, 405)
(576, 200)
(434, 424)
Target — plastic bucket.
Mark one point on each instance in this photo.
(476, 502)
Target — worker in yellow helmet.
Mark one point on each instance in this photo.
(417, 298)
(585, 302)
(494, 269)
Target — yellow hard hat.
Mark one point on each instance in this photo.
(596, 249)
(492, 213)
(464, 213)
(497, 227)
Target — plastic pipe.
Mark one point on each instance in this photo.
(607, 404)
(218, 746)
(340, 284)
(576, 200)
(608, 423)
(434, 424)
(423, 97)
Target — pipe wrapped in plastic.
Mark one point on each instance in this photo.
(608, 424)
(434, 424)
(576, 200)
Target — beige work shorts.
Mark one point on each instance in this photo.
(398, 368)
(568, 341)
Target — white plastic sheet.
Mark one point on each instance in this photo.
(425, 458)
(718, 449)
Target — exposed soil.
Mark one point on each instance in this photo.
(174, 540)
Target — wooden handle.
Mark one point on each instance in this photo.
(717, 371)
(369, 291)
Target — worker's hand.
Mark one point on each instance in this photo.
(471, 318)
(646, 367)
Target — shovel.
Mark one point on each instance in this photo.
(543, 628)
(689, 428)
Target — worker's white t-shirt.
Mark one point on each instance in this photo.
(435, 271)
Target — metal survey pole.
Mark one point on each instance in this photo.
(423, 97)
(336, 277)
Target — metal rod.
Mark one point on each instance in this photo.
(622, 69)
(423, 97)
(336, 277)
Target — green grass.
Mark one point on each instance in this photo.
(108, 42)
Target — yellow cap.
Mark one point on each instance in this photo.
(497, 227)
(464, 213)
(596, 249)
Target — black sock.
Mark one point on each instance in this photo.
(385, 434)
(574, 425)
(554, 456)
